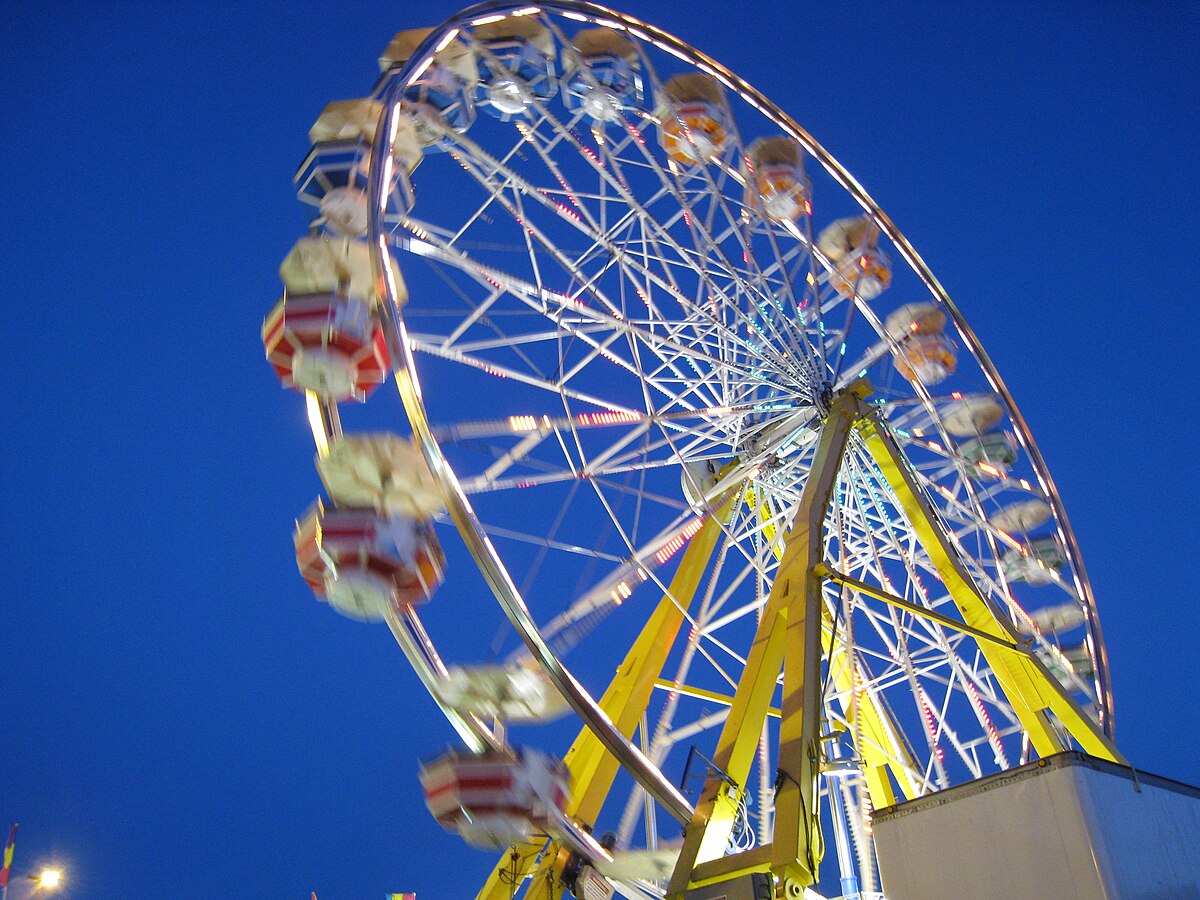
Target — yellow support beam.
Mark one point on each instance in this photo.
(513, 868)
(796, 627)
(1026, 682)
(593, 769)
(916, 609)
(881, 749)
(791, 628)
(687, 690)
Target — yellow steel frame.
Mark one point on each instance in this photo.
(796, 627)
(1030, 688)
(791, 629)
(592, 768)
(881, 750)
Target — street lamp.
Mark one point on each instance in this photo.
(48, 878)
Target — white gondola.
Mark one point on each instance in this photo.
(973, 415)
(439, 98)
(603, 79)
(516, 66)
(510, 693)
(927, 358)
(333, 177)
(363, 564)
(1021, 517)
(385, 472)
(1057, 619)
(323, 264)
(860, 267)
(915, 318)
(497, 798)
(778, 177)
(695, 120)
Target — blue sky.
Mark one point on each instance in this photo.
(177, 717)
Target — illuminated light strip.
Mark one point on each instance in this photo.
(993, 734)
(673, 546)
(621, 593)
(930, 725)
(526, 423)
(661, 46)
(857, 690)
(599, 136)
(567, 211)
(522, 423)
(566, 187)
(420, 70)
(608, 418)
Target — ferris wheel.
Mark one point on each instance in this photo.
(763, 523)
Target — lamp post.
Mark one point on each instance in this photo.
(48, 879)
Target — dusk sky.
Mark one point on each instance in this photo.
(178, 717)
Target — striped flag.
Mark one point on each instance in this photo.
(401, 897)
(8, 855)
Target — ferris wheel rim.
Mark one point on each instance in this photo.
(460, 506)
(601, 15)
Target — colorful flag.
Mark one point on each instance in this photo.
(8, 855)
(401, 897)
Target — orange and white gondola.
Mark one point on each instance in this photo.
(777, 175)
(496, 798)
(927, 358)
(327, 344)
(915, 318)
(695, 119)
(860, 268)
(324, 335)
(363, 564)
